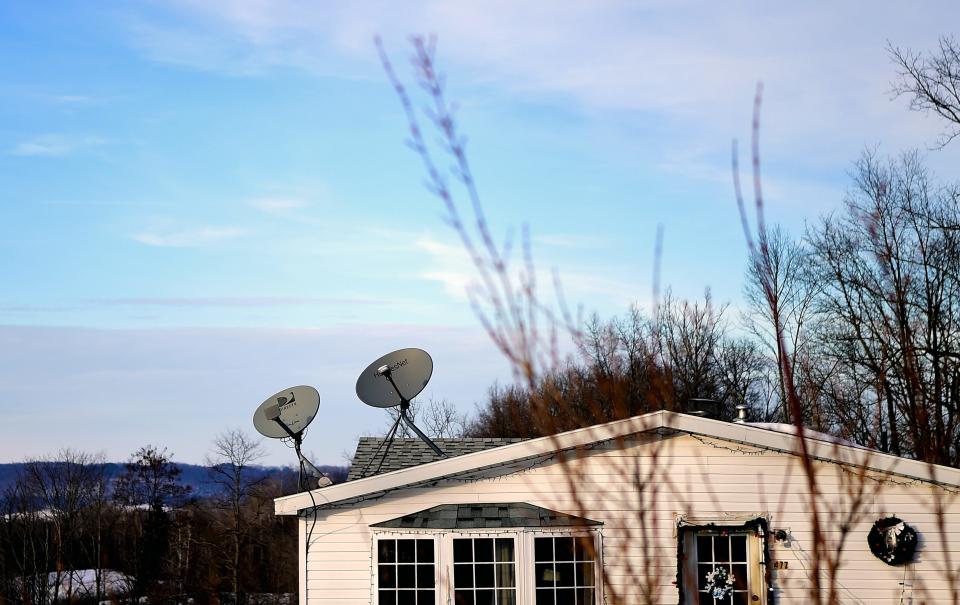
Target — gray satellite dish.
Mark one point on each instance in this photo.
(287, 414)
(394, 378)
(296, 407)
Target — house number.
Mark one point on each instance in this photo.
(781, 564)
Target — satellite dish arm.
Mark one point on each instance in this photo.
(322, 480)
(433, 446)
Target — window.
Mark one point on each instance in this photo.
(406, 571)
(480, 566)
(484, 571)
(737, 552)
(565, 570)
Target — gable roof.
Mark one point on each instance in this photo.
(485, 516)
(405, 453)
(661, 420)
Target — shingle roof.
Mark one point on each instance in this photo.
(484, 516)
(405, 453)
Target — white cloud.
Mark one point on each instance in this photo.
(826, 81)
(278, 204)
(55, 145)
(121, 388)
(189, 238)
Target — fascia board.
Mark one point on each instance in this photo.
(685, 423)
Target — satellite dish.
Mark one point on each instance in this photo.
(395, 378)
(295, 407)
(287, 414)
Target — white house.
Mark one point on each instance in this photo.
(646, 509)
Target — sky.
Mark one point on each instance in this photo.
(206, 201)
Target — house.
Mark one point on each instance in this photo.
(662, 508)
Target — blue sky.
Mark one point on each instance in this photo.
(206, 201)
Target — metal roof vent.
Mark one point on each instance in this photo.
(741, 413)
(705, 408)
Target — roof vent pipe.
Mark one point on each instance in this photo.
(741, 413)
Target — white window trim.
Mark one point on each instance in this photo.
(523, 553)
(403, 535)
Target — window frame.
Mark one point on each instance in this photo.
(524, 556)
(403, 535)
(756, 558)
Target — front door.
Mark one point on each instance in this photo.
(723, 566)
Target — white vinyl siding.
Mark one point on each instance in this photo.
(706, 477)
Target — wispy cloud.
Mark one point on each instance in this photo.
(682, 61)
(278, 204)
(70, 99)
(189, 238)
(240, 301)
(55, 145)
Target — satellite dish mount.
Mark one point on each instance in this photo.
(392, 381)
(385, 371)
(283, 415)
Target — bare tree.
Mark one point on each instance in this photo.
(436, 417)
(932, 82)
(147, 488)
(64, 486)
(889, 272)
(782, 263)
(233, 453)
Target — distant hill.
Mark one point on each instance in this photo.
(194, 475)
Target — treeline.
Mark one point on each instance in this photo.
(863, 310)
(70, 530)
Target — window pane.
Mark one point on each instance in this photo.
(425, 576)
(463, 597)
(387, 551)
(721, 548)
(406, 576)
(484, 597)
(544, 573)
(585, 596)
(388, 597)
(739, 548)
(702, 571)
(462, 550)
(424, 551)
(463, 576)
(505, 576)
(506, 597)
(405, 551)
(425, 597)
(706, 599)
(585, 549)
(387, 576)
(545, 596)
(406, 597)
(504, 550)
(740, 577)
(484, 575)
(564, 573)
(483, 549)
(739, 598)
(565, 596)
(563, 548)
(584, 574)
(704, 549)
(543, 549)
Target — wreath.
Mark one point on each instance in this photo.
(892, 541)
(719, 583)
